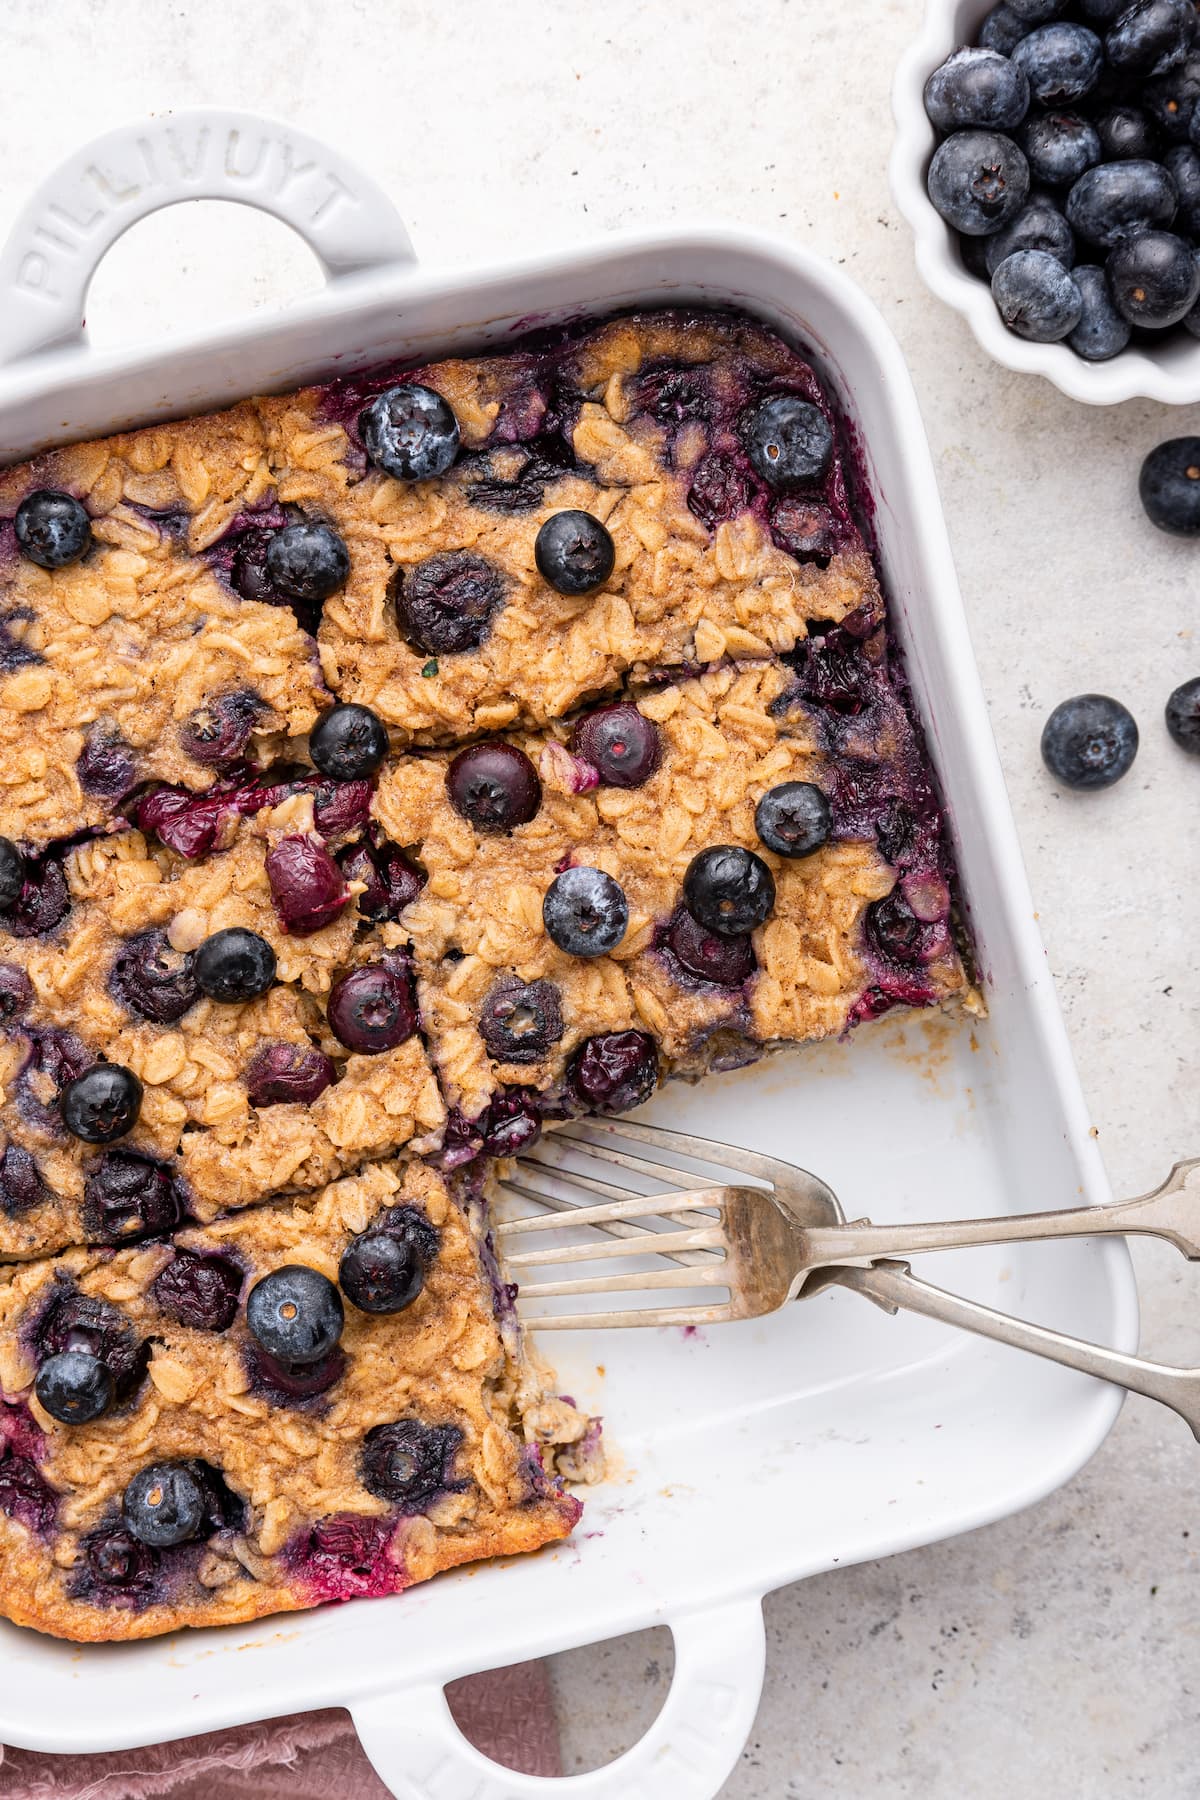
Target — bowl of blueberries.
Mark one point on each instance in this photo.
(1047, 157)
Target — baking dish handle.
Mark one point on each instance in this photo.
(420, 1754)
(210, 153)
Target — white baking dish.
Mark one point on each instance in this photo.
(753, 1455)
(1170, 374)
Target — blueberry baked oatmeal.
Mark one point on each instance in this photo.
(388, 770)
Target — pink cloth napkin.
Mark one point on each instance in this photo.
(508, 1713)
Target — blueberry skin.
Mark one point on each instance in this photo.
(1170, 99)
(1102, 12)
(725, 961)
(728, 889)
(446, 603)
(1118, 200)
(978, 181)
(12, 874)
(348, 743)
(1127, 134)
(1090, 741)
(296, 1314)
(789, 442)
(1183, 716)
(308, 561)
(1040, 225)
(585, 912)
(1036, 297)
(1169, 486)
(1154, 279)
(574, 553)
(234, 965)
(495, 786)
(1101, 331)
(102, 1104)
(973, 251)
(977, 87)
(1037, 12)
(52, 529)
(1062, 62)
(1183, 165)
(620, 743)
(1150, 37)
(164, 1504)
(410, 432)
(381, 1272)
(1003, 30)
(520, 1021)
(793, 819)
(74, 1387)
(1058, 147)
(371, 1009)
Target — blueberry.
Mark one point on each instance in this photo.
(720, 489)
(16, 992)
(806, 529)
(615, 1071)
(372, 1009)
(219, 732)
(725, 961)
(286, 1383)
(446, 603)
(280, 1073)
(102, 1104)
(348, 743)
(977, 87)
(75, 1322)
(574, 553)
(106, 766)
(1183, 716)
(1036, 297)
(585, 912)
(1003, 30)
(895, 929)
(1119, 200)
(1127, 134)
(153, 981)
(494, 785)
(340, 806)
(307, 561)
(1039, 225)
(381, 1272)
(198, 1291)
(410, 432)
(1090, 741)
(789, 442)
(1058, 147)
(307, 886)
(1062, 62)
(1183, 165)
(21, 1186)
(165, 1504)
(128, 1197)
(234, 965)
(409, 1464)
(728, 889)
(621, 743)
(1102, 12)
(512, 1123)
(1036, 12)
(1154, 279)
(52, 529)
(1170, 99)
(116, 1560)
(74, 1387)
(295, 1313)
(25, 1495)
(1150, 37)
(520, 1021)
(1101, 331)
(1169, 486)
(978, 181)
(44, 900)
(12, 874)
(392, 880)
(793, 819)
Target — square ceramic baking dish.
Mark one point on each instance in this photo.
(752, 1455)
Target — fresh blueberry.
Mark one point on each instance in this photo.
(152, 980)
(410, 432)
(1058, 147)
(348, 743)
(728, 889)
(1101, 12)
(76, 1323)
(977, 87)
(520, 1021)
(446, 603)
(307, 886)
(234, 964)
(789, 442)
(1090, 741)
(1061, 61)
(381, 1272)
(1003, 30)
(1119, 200)
(1127, 134)
(74, 1387)
(720, 489)
(1183, 165)
(16, 992)
(1101, 331)
(896, 931)
(585, 912)
(106, 765)
(44, 900)
(392, 880)
(12, 874)
(725, 961)
(621, 743)
(219, 732)
(295, 1313)
(978, 181)
(1169, 486)
(1037, 12)
(281, 1073)
(102, 1104)
(114, 1559)
(409, 1464)
(494, 785)
(52, 529)
(198, 1291)
(793, 819)
(1150, 37)
(614, 1071)
(127, 1197)
(372, 1009)
(1154, 279)
(1170, 99)
(21, 1186)
(307, 561)
(574, 553)
(512, 1123)
(1036, 297)
(165, 1504)
(1183, 716)
(1040, 225)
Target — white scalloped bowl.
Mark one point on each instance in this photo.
(1171, 374)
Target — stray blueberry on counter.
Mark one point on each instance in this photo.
(1101, 331)
(1169, 486)
(52, 529)
(234, 965)
(978, 181)
(295, 1313)
(494, 785)
(1183, 716)
(102, 1104)
(1183, 165)
(74, 1387)
(793, 819)
(789, 441)
(165, 1504)
(585, 912)
(1061, 61)
(307, 561)
(1089, 741)
(1036, 297)
(410, 432)
(12, 874)
(1040, 225)
(1154, 279)
(348, 743)
(574, 553)
(728, 889)
(977, 87)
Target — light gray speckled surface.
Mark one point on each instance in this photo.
(1055, 1653)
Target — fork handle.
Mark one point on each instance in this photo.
(895, 1288)
(1172, 1211)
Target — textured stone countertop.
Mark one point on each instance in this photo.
(1054, 1653)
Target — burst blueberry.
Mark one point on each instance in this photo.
(495, 786)
(52, 529)
(728, 889)
(585, 912)
(307, 886)
(720, 489)
(620, 742)
(977, 87)
(574, 553)
(408, 1464)
(371, 1009)
(348, 743)
(381, 1272)
(410, 432)
(12, 874)
(200, 1292)
(234, 965)
(392, 880)
(74, 1387)
(127, 1197)
(520, 1021)
(896, 931)
(219, 732)
(102, 1104)
(789, 442)
(165, 1504)
(725, 961)
(16, 992)
(106, 765)
(279, 1074)
(296, 1314)
(153, 981)
(446, 603)
(1183, 716)
(1089, 741)
(614, 1071)
(307, 561)
(512, 1123)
